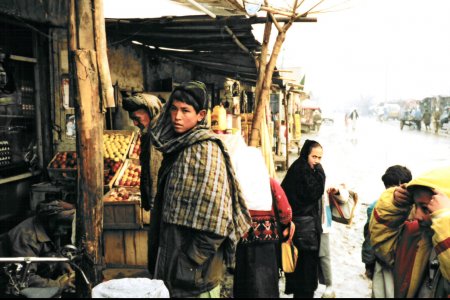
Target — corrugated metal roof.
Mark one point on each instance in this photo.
(204, 41)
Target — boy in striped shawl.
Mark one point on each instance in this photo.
(199, 212)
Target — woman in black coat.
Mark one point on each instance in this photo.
(304, 186)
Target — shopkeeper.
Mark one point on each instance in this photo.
(144, 110)
(42, 236)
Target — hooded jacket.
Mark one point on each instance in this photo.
(150, 158)
(405, 246)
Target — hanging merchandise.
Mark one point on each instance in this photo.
(219, 119)
(298, 126)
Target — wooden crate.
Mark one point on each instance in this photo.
(62, 175)
(125, 248)
(136, 139)
(123, 214)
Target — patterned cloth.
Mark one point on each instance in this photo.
(263, 228)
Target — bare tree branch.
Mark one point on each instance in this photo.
(275, 22)
(317, 4)
(300, 4)
(333, 8)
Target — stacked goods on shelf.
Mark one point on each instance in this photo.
(5, 153)
(246, 125)
(297, 127)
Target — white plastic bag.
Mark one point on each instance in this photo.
(131, 288)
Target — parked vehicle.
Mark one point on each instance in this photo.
(311, 116)
(444, 119)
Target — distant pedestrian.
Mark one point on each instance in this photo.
(427, 119)
(283, 137)
(436, 118)
(418, 116)
(353, 117)
(304, 185)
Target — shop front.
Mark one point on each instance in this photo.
(24, 135)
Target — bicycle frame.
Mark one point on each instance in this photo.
(18, 276)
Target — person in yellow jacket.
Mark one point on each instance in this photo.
(410, 231)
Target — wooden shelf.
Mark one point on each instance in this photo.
(17, 117)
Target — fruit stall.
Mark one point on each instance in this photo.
(125, 222)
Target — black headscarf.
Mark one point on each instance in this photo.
(303, 185)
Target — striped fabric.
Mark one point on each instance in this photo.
(197, 193)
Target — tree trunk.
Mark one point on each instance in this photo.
(256, 133)
(89, 124)
(265, 91)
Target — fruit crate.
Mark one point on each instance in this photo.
(62, 169)
(134, 180)
(111, 172)
(109, 151)
(136, 144)
(122, 209)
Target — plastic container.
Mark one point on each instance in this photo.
(219, 119)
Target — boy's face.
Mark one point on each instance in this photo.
(184, 117)
(422, 198)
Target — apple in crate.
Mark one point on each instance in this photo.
(131, 176)
(65, 160)
(110, 168)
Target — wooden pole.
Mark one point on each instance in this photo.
(102, 56)
(89, 124)
(286, 115)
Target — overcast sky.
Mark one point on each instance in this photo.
(380, 49)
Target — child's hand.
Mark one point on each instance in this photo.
(402, 197)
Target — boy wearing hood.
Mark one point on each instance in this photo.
(418, 250)
(144, 110)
